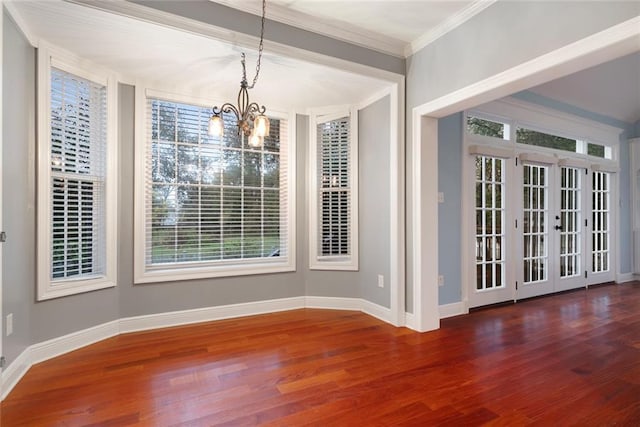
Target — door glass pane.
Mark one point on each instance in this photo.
(489, 223)
(600, 222)
(535, 188)
(570, 220)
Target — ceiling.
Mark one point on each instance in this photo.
(187, 63)
(397, 27)
(183, 62)
(611, 89)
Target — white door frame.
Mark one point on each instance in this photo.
(2, 334)
(614, 42)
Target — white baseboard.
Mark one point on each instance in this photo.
(15, 371)
(410, 321)
(55, 347)
(453, 309)
(334, 303)
(377, 311)
(208, 314)
(626, 277)
(40, 352)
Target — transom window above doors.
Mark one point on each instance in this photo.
(510, 122)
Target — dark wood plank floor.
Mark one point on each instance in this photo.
(569, 359)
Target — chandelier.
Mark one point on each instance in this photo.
(252, 122)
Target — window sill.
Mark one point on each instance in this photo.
(177, 273)
(65, 288)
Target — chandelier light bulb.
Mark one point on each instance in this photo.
(255, 140)
(261, 125)
(216, 126)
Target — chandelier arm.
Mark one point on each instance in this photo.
(226, 108)
(255, 108)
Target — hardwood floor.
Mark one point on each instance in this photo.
(570, 359)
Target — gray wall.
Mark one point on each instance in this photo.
(242, 22)
(450, 211)
(375, 203)
(18, 174)
(500, 37)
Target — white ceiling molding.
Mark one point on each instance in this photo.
(448, 25)
(353, 35)
(21, 23)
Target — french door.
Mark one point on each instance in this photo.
(553, 229)
(541, 226)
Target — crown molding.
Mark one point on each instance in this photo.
(303, 21)
(447, 25)
(20, 22)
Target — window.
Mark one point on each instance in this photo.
(333, 219)
(490, 229)
(600, 236)
(76, 187)
(212, 206)
(540, 139)
(484, 127)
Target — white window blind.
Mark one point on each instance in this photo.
(78, 126)
(334, 181)
(209, 201)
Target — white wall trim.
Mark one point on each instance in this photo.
(425, 233)
(55, 347)
(15, 371)
(2, 324)
(608, 44)
(20, 22)
(207, 314)
(333, 303)
(625, 277)
(453, 309)
(411, 321)
(397, 230)
(46, 350)
(446, 26)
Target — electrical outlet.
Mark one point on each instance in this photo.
(380, 281)
(441, 197)
(9, 325)
(440, 280)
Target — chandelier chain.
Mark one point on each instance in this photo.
(261, 46)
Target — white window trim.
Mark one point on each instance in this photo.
(49, 56)
(142, 274)
(316, 261)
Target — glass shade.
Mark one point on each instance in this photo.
(216, 126)
(261, 126)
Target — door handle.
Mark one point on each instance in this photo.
(559, 227)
